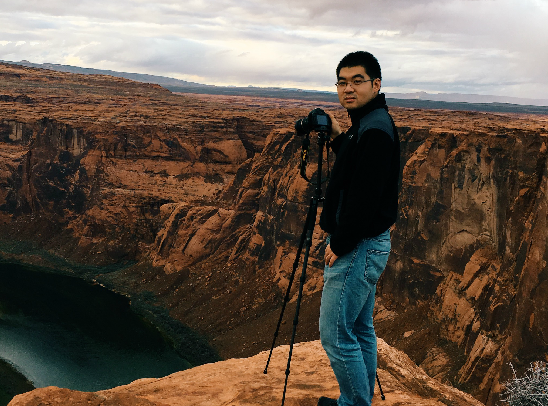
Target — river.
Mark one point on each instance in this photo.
(62, 331)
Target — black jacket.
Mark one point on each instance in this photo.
(361, 200)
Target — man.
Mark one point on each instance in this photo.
(360, 207)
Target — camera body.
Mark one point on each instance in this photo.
(317, 120)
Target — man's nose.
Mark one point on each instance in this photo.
(348, 88)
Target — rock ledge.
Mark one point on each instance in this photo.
(241, 382)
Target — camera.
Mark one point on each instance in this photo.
(317, 120)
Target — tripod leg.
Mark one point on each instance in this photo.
(299, 298)
(380, 387)
(291, 278)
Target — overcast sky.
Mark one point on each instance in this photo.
(496, 47)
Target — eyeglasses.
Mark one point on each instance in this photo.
(341, 84)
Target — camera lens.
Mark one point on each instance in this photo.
(301, 126)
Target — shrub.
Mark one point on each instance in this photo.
(530, 390)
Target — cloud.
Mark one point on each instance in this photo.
(469, 46)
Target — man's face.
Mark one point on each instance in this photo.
(359, 89)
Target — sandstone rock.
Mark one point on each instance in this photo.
(229, 151)
(242, 381)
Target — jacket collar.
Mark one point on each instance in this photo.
(357, 114)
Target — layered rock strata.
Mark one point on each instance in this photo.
(471, 242)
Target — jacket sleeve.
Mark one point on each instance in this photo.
(337, 142)
(367, 184)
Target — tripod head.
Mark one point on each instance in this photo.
(319, 122)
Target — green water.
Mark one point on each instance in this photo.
(59, 330)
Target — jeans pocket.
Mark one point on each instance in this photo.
(375, 264)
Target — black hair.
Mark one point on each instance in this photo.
(361, 58)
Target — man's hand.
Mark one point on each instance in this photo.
(330, 256)
(335, 127)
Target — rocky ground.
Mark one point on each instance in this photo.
(242, 382)
(194, 205)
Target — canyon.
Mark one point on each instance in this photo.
(194, 205)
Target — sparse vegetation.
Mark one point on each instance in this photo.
(530, 390)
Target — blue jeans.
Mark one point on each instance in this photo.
(346, 318)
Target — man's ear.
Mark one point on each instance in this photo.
(377, 85)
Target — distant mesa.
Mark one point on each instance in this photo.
(447, 101)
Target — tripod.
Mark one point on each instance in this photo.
(306, 242)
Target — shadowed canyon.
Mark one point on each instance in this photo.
(192, 206)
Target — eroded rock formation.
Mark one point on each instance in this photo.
(201, 198)
(472, 239)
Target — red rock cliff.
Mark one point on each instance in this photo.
(471, 244)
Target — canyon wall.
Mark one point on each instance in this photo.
(198, 202)
(471, 242)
